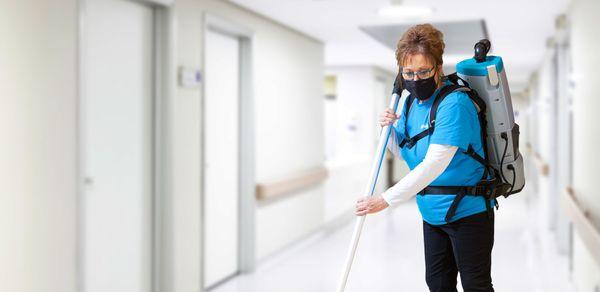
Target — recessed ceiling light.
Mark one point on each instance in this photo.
(405, 11)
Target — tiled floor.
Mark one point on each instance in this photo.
(390, 257)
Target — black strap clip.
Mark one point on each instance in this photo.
(483, 190)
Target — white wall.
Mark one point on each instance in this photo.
(288, 78)
(356, 123)
(583, 16)
(38, 96)
(289, 129)
(585, 47)
(356, 135)
(582, 83)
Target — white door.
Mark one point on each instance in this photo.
(116, 146)
(221, 156)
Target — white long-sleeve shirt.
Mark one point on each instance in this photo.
(436, 160)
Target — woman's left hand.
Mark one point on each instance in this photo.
(369, 205)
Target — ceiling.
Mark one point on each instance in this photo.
(459, 36)
(518, 29)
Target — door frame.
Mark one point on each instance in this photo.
(565, 128)
(247, 194)
(163, 91)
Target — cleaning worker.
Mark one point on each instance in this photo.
(458, 227)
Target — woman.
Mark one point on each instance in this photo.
(458, 239)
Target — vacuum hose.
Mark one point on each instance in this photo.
(384, 136)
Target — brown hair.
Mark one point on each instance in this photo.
(421, 39)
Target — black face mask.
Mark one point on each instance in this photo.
(422, 89)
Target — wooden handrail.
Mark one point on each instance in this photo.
(266, 191)
(589, 233)
(543, 167)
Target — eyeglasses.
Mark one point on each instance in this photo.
(421, 74)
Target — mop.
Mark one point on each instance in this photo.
(384, 136)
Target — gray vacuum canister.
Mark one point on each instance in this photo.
(488, 77)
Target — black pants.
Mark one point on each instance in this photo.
(463, 246)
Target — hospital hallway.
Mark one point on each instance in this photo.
(223, 145)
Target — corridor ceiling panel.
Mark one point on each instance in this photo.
(460, 36)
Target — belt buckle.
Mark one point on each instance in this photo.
(485, 190)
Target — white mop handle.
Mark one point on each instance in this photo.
(375, 167)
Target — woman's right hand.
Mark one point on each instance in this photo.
(388, 117)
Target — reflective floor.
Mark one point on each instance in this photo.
(390, 256)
